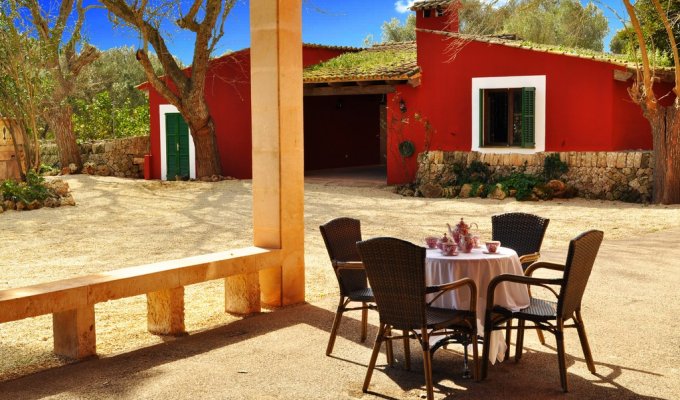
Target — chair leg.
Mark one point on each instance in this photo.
(364, 322)
(407, 351)
(559, 336)
(508, 335)
(519, 345)
(389, 352)
(485, 349)
(539, 332)
(427, 364)
(374, 356)
(475, 356)
(584, 342)
(336, 324)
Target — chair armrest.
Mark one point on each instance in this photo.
(528, 280)
(529, 258)
(543, 264)
(443, 288)
(348, 265)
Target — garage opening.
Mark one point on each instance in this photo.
(345, 136)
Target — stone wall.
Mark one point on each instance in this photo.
(116, 157)
(625, 175)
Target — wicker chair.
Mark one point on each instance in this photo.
(521, 232)
(547, 315)
(340, 236)
(396, 272)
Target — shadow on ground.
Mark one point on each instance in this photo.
(281, 355)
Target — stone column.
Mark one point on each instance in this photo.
(278, 170)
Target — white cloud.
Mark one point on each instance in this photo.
(403, 6)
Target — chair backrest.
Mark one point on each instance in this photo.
(521, 232)
(580, 259)
(341, 236)
(396, 271)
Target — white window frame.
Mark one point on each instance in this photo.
(511, 82)
(169, 109)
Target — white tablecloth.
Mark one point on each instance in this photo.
(481, 268)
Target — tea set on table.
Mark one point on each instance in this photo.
(462, 239)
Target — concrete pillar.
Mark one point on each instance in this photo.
(165, 311)
(74, 333)
(278, 170)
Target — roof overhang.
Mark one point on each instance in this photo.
(347, 87)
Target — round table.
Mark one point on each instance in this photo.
(481, 267)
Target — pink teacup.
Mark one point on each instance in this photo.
(431, 242)
(449, 248)
(492, 246)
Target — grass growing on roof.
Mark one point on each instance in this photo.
(365, 63)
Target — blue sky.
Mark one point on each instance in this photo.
(336, 22)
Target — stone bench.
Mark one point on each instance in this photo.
(71, 301)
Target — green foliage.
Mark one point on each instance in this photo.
(100, 119)
(33, 189)
(107, 104)
(476, 172)
(554, 167)
(395, 31)
(625, 42)
(553, 22)
(524, 184)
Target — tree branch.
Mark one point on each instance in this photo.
(189, 21)
(674, 44)
(650, 100)
(157, 82)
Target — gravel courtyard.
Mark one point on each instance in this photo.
(630, 307)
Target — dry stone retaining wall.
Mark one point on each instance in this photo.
(625, 175)
(116, 157)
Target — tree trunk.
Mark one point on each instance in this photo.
(207, 155)
(60, 122)
(665, 122)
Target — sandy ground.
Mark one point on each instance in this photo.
(630, 306)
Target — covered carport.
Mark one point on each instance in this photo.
(345, 108)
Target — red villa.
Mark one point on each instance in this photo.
(385, 104)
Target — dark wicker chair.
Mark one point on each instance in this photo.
(547, 315)
(396, 272)
(521, 232)
(340, 236)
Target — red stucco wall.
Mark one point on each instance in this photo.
(586, 109)
(227, 92)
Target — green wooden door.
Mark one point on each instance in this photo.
(176, 146)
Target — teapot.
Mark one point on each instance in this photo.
(461, 229)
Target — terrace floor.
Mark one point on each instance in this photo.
(630, 306)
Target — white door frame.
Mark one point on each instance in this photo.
(168, 109)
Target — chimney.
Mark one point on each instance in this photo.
(437, 15)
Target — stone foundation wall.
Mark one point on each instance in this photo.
(116, 157)
(625, 175)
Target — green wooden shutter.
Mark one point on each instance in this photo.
(183, 156)
(481, 117)
(528, 120)
(171, 148)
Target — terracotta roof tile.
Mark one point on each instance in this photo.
(427, 4)
(390, 61)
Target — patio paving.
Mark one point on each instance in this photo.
(280, 355)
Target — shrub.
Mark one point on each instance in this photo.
(32, 189)
(553, 167)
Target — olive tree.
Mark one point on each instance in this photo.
(185, 90)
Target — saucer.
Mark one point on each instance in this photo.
(488, 252)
